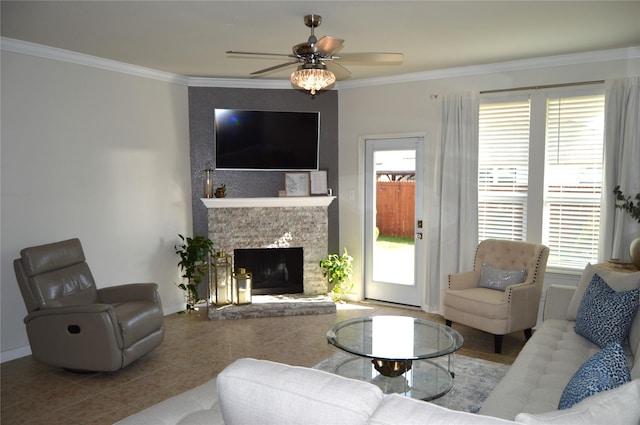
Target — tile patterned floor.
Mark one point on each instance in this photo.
(194, 351)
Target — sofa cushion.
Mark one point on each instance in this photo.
(619, 405)
(605, 315)
(634, 345)
(263, 392)
(617, 280)
(494, 278)
(606, 370)
(197, 406)
(538, 376)
(396, 409)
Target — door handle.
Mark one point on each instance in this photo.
(419, 235)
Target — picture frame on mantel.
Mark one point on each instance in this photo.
(318, 182)
(296, 184)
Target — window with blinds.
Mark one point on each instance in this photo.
(540, 171)
(573, 179)
(503, 170)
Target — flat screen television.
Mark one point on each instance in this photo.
(266, 140)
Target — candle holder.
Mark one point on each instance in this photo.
(208, 183)
(242, 287)
(220, 282)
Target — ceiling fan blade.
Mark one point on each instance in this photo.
(282, 55)
(340, 71)
(381, 58)
(327, 46)
(273, 68)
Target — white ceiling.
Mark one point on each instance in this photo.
(190, 37)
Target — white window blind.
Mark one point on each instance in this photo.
(503, 169)
(540, 171)
(573, 179)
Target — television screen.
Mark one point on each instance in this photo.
(266, 140)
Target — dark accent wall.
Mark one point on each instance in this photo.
(245, 184)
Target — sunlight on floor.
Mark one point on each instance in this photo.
(350, 306)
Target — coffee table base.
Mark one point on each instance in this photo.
(392, 368)
(424, 379)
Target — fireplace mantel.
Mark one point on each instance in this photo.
(284, 201)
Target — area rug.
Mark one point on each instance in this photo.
(474, 380)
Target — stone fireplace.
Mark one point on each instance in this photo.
(286, 222)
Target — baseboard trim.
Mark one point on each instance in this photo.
(16, 353)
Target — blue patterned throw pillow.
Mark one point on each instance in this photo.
(604, 371)
(494, 278)
(605, 315)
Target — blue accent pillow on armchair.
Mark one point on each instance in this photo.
(604, 371)
(605, 315)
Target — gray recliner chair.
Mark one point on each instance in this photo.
(74, 325)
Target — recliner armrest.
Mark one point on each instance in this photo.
(74, 309)
(464, 280)
(129, 292)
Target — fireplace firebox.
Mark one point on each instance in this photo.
(275, 271)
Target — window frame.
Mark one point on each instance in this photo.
(534, 211)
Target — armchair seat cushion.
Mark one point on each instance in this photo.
(481, 302)
(137, 319)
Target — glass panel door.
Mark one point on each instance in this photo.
(393, 197)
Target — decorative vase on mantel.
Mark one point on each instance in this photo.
(634, 252)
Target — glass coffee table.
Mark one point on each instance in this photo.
(398, 354)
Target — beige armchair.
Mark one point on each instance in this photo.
(73, 325)
(503, 296)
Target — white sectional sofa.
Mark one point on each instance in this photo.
(260, 392)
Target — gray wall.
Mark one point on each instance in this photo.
(244, 184)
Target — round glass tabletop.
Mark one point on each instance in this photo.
(394, 338)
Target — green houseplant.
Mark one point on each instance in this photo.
(627, 204)
(338, 270)
(194, 254)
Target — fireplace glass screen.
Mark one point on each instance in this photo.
(275, 270)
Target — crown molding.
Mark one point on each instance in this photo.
(499, 67)
(39, 50)
(48, 52)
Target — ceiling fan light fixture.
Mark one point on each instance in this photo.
(312, 77)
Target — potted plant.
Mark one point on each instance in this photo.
(626, 203)
(194, 254)
(338, 270)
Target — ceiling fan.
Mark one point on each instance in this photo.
(313, 56)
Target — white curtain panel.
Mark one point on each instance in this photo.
(621, 165)
(452, 235)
